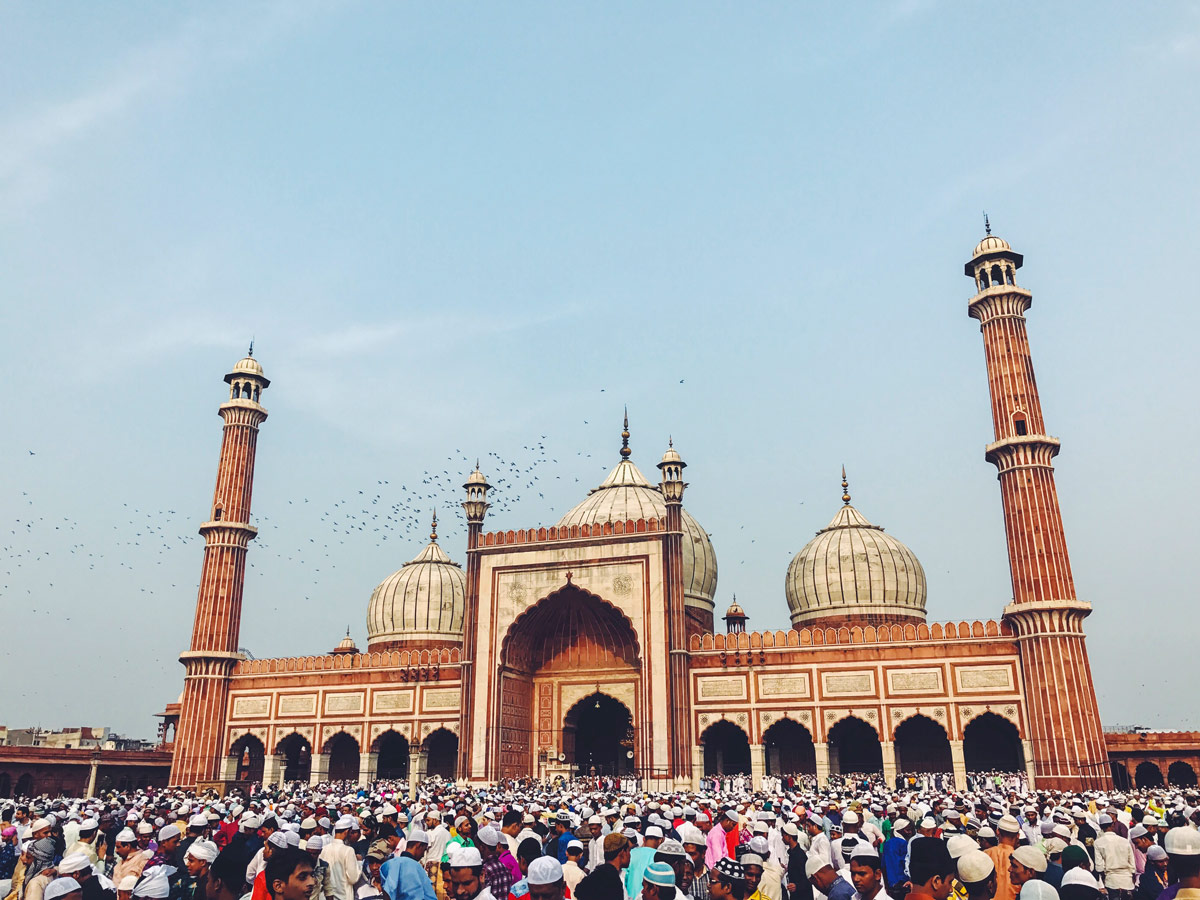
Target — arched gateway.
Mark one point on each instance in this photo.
(570, 676)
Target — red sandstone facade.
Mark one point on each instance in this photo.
(580, 646)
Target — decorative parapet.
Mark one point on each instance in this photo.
(870, 634)
(393, 659)
(574, 532)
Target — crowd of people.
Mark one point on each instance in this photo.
(599, 840)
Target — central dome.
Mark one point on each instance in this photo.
(626, 494)
(853, 572)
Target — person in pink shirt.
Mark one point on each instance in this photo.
(718, 840)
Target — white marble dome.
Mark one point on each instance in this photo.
(853, 570)
(626, 494)
(423, 602)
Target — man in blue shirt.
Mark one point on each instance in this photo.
(892, 856)
(403, 877)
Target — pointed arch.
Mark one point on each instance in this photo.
(789, 748)
(992, 743)
(441, 745)
(568, 629)
(854, 747)
(726, 749)
(296, 752)
(250, 754)
(343, 752)
(392, 749)
(922, 745)
(598, 735)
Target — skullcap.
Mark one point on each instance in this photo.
(89, 825)
(315, 842)
(850, 818)
(200, 820)
(38, 825)
(167, 832)
(467, 858)
(1030, 858)
(1183, 841)
(1081, 876)
(126, 836)
(418, 836)
(759, 845)
(657, 873)
(863, 850)
(751, 859)
(975, 866)
(346, 823)
(76, 862)
(900, 824)
(1008, 824)
(277, 839)
(960, 844)
(308, 822)
(60, 887)
(814, 865)
(1038, 890)
(156, 884)
(545, 870)
(489, 835)
(205, 851)
(729, 869)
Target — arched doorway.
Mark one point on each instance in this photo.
(790, 749)
(392, 762)
(854, 747)
(5, 784)
(598, 736)
(726, 749)
(991, 743)
(922, 746)
(568, 637)
(343, 757)
(1148, 775)
(1120, 774)
(442, 747)
(297, 758)
(1181, 774)
(24, 786)
(248, 751)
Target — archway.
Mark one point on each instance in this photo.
(726, 749)
(248, 751)
(854, 747)
(922, 746)
(442, 746)
(1120, 776)
(343, 757)
(569, 633)
(992, 743)
(1148, 775)
(297, 758)
(1181, 774)
(24, 786)
(5, 784)
(392, 748)
(598, 736)
(790, 749)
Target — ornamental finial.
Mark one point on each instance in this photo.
(845, 488)
(433, 531)
(625, 451)
(987, 226)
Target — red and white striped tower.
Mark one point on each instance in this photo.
(208, 662)
(1064, 726)
(476, 507)
(679, 734)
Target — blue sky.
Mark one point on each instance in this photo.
(453, 230)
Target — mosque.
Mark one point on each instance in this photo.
(590, 645)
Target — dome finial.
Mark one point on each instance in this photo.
(433, 530)
(845, 488)
(987, 226)
(625, 451)
(250, 352)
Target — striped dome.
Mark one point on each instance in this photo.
(852, 570)
(626, 494)
(421, 603)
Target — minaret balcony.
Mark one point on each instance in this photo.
(1026, 451)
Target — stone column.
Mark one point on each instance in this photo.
(273, 767)
(697, 765)
(320, 768)
(368, 766)
(889, 763)
(758, 754)
(822, 753)
(959, 762)
(1027, 751)
(93, 771)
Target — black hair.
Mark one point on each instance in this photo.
(283, 862)
(870, 861)
(386, 830)
(229, 868)
(512, 817)
(1184, 866)
(929, 858)
(529, 849)
(737, 886)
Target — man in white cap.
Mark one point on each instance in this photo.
(1026, 864)
(573, 872)
(1008, 833)
(545, 878)
(63, 889)
(79, 867)
(1114, 860)
(344, 871)
(197, 859)
(977, 874)
(466, 876)
(85, 842)
(403, 876)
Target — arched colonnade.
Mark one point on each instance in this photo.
(919, 744)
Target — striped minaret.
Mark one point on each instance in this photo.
(1064, 721)
(679, 732)
(199, 742)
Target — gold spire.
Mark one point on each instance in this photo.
(845, 488)
(625, 451)
(433, 532)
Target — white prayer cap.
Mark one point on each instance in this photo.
(986, 832)
(1008, 824)
(1080, 875)
(167, 832)
(205, 851)
(38, 825)
(278, 839)
(418, 836)
(975, 866)
(814, 865)
(595, 820)
(929, 822)
(1105, 819)
(865, 850)
(251, 822)
(1138, 831)
(76, 862)
(1183, 841)
(899, 825)
(543, 870)
(489, 835)
(60, 887)
(574, 844)
(315, 842)
(200, 820)
(389, 810)
(751, 859)
(469, 858)
(850, 818)
(345, 823)
(759, 845)
(1030, 858)
(126, 836)
(156, 884)
(89, 825)
(654, 832)
(292, 838)
(960, 844)
(1036, 889)
(128, 883)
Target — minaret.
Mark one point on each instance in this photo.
(1064, 727)
(679, 735)
(735, 618)
(199, 746)
(476, 507)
